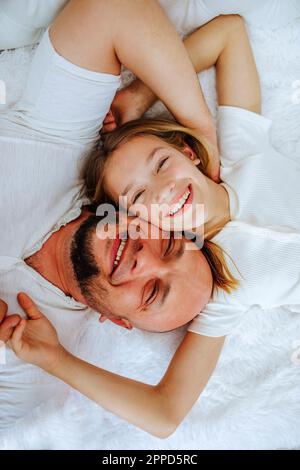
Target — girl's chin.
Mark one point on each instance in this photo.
(186, 222)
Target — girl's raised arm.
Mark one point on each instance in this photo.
(227, 47)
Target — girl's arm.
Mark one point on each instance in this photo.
(229, 49)
(158, 409)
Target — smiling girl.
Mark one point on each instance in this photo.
(142, 161)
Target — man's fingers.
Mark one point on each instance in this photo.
(7, 327)
(3, 310)
(109, 118)
(109, 127)
(29, 306)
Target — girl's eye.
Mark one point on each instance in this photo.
(136, 196)
(161, 164)
(152, 295)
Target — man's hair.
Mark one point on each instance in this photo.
(84, 263)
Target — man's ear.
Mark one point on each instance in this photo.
(118, 321)
(191, 154)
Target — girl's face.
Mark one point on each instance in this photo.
(159, 183)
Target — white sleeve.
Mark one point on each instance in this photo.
(23, 22)
(241, 133)
(216, 320)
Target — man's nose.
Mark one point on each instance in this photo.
(148, 264)
(165, 192)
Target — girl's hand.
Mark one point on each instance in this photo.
(35, 340)
(214, 164)
(7, 324)
(208, 131)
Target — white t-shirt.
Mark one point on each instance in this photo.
(262, 241)
(39, 185)
(22, 23)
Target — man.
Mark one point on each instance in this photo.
(49, 246)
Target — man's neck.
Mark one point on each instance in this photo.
(53, 260)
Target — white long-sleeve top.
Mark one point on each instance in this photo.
(262, 241)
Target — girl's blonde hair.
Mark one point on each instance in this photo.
(178, 137)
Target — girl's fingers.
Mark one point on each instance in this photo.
(16, 338)
(7, 327)
(29, 306)
(3, 310)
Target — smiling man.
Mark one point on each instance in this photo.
(131, 281)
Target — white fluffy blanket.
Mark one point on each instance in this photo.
(253, 399)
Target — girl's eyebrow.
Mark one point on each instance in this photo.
(149, 158)
(128, 187)
(152, 153)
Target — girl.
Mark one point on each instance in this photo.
(257, 208)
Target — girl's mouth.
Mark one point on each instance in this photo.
(185, 200)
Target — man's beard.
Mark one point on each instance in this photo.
(84, 263)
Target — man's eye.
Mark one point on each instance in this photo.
(152, 295)
(170, 246)
(161, 164)
(136, 196)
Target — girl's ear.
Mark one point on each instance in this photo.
(191, 154)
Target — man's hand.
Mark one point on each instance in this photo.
(129, 103)
(35, 340)
(7, 324)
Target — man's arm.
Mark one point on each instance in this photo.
(100, 35)
(158, 409)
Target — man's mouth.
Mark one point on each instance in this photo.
(117, 250)
(184, 200)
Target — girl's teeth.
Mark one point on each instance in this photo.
(180, 203)
(119, 252)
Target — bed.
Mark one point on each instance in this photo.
(253, 398)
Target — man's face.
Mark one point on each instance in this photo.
(154, 282)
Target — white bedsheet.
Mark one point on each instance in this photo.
(253, 398)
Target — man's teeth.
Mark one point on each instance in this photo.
(180, 203)
(119, 252)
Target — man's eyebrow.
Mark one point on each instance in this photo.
(166, 291)
(180, 252)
